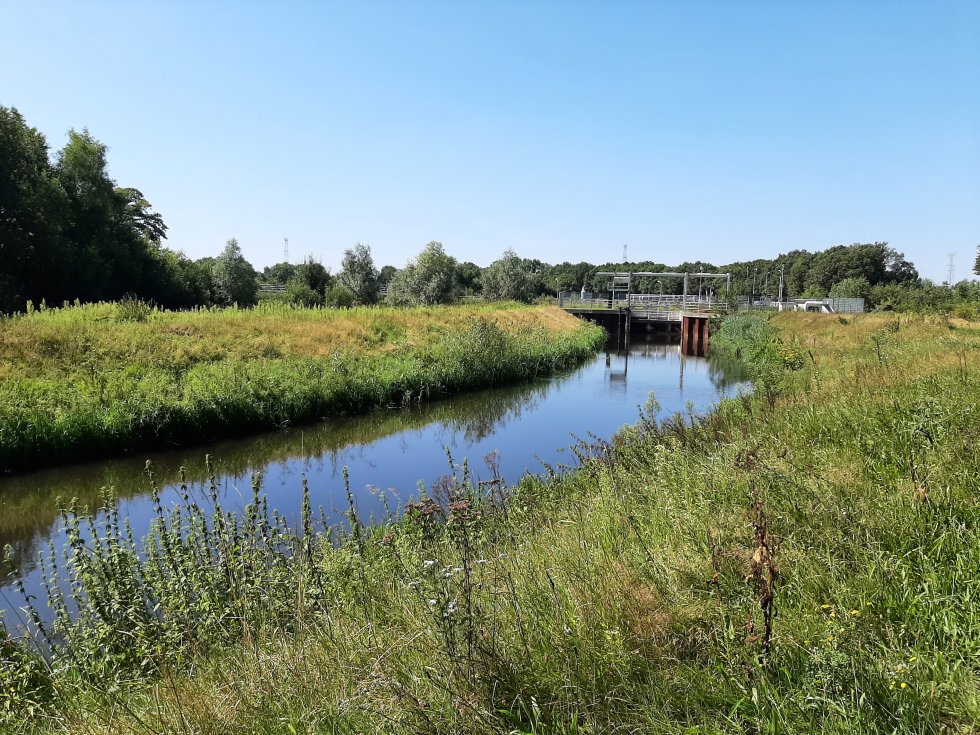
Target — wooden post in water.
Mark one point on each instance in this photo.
(694, 335)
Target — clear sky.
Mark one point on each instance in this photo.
(715, 130)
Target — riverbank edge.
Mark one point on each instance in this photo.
(415, 573)
(270, 394)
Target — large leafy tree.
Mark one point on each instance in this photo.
(279, 273)
(313, 274)
(431, 278)
(309, 284)
(976, 263)
(234, 277)
(358, 274)
(31, 209)
(68, 231)
(386, 274)
(508, 279)
(468, 275)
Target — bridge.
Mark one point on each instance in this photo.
(623, 309)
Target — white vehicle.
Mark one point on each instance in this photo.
(818, 307)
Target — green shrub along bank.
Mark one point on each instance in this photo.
(802, 560)
(79, 388)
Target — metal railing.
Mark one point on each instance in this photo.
(652, 306)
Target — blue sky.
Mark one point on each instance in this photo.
(715, 130)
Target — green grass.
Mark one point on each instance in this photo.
(98, 379)
(804, 560)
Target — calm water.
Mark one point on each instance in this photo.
(387, 453)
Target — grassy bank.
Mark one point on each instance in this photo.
(99, 379)
(803, 560)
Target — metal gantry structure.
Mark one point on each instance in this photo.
(688, 313)
(621, 290)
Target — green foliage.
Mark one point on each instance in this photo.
(313, 274)
(925, 297)
(851, 288)
(299, 293)
(133, 310)
(468, 275)
(234, 277)
(628, 595)
(358, 274)
(429, 279)
(507, 279)
(280, 273)
(340, 297)
(67, 231)
(91, 380)
(386, 274)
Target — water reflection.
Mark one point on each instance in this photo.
(392, 450)
(29, 501)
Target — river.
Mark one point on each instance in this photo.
(387, 452)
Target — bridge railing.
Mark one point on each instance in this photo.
(646, 303)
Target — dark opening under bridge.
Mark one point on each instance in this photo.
(623, 309)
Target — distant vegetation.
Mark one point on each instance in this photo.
(67, 232)
(86, 380)
(803, 560)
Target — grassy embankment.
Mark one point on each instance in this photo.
(805, 560)
(83, 381)
(29, 501)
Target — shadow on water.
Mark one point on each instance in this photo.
(388, 452)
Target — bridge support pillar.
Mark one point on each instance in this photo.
(694, 335)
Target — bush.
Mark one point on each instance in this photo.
(300, 294)
(339, 297)
(133, 310)
(965, 311)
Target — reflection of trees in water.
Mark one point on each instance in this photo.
(29, 502)
(497, 410)
(22, 556)
(475, 416)
(726, 372)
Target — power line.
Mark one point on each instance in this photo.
(950, 270)
(285, 250)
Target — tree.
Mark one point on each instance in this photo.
(136, 213)
(507, 279)
(358, 274)
(468, 274)
(430, 278)
(851, 288)
(279, 273)
(312, 273)
(299, 293)
(31, 212)
(339, 296)
(386, 274)
(234, 277)
(67, 231)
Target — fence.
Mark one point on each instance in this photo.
(651, 306)
(826, 305)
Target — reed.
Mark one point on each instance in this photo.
(803, 559)
(90, 380)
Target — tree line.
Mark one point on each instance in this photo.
(68, 231)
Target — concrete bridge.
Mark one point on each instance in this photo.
(623, 311)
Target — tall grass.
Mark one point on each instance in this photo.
(81, 381)
(802, 560)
